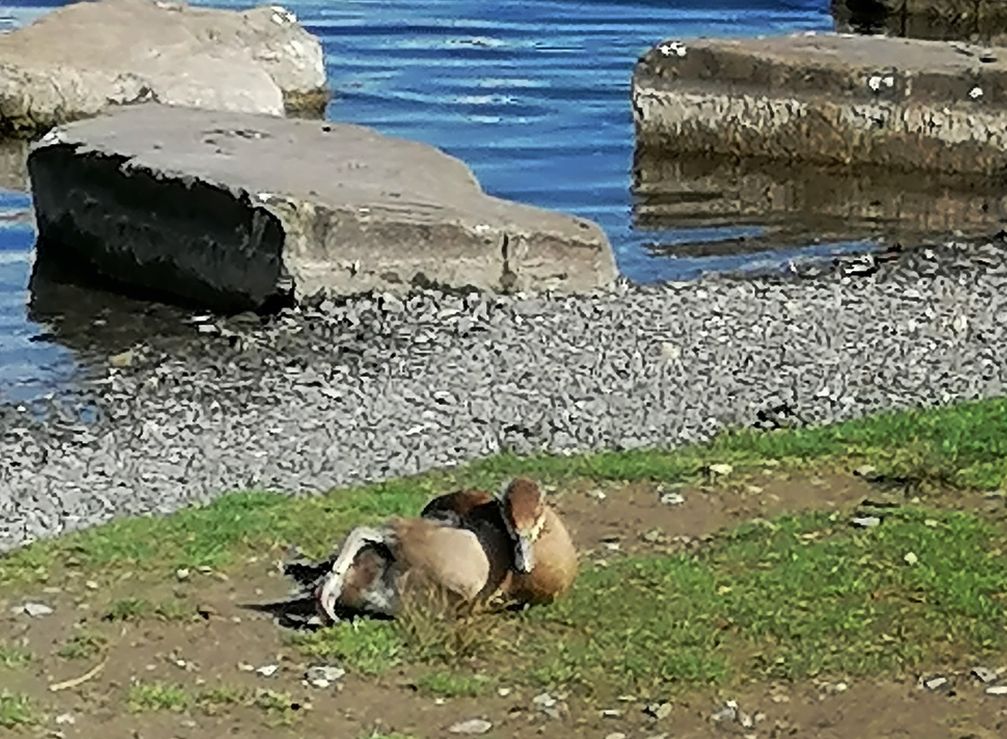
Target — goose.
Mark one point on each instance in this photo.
(543, 559)
(375, 565)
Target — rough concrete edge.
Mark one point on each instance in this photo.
(307, 104)
(283, 289)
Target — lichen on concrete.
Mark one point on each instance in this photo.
(896, 103)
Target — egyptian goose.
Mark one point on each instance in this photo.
(375, 565)
(544, 559)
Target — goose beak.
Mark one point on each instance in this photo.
(524, 554)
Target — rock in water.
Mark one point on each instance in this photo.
(233, 211)
(81, 59)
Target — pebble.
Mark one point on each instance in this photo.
(266, 406)
(984, 674)
(658, 711)
(34, 610)
(996, 690)
(672, 499)
(472, 726)
(543, 700)
(866, 522)
(322, 676)
(268, 670)
(615, 735)
(935, 683)
(726, 714)
(66, 719)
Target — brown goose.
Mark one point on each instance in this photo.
(543, 559)
(375, 565)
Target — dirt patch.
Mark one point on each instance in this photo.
(184, 657)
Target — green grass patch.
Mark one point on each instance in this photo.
(83, 645)
(138, 609)
(793, 598)
(964, 445)
(365, 647)
(158, 696)
(279, 707)
(13, 656)
(17, 711)
(452, 684)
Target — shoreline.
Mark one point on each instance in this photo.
(373, 389)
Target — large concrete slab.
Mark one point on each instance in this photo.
(83, 58)
(831, 99)
(966, 20)
(234, 210)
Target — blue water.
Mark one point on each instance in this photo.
(532, 94)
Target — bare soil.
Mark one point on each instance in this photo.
(228, 641)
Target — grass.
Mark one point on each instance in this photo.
(138, 609)
(161, 696)
(83, 645)
(450, 684)
(17, 711)
(12, 656)
(158, 696)
(964, 445)
(791, 598)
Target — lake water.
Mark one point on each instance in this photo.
(534, 96)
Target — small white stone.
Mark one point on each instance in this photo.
(268, 670)
(35, 610)
(670, 351)
(935, 683)
(472, 726)
(66, 719)
(996, 690)
(976, 92)
(673, 499)
(984, 674)
(544, 700)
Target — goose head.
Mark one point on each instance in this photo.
(523, 508)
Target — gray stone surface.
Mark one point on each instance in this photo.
(901, 104)
(88, 56)
(232, 210)
(387, 385)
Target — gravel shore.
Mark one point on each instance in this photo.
(380, 387)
